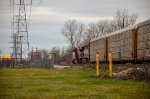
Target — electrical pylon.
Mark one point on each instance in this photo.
(20, 33)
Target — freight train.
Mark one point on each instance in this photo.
(127, 45)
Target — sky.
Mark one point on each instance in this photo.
(49, 16)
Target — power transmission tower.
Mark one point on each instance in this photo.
(20, 32)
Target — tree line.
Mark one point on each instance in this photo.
(77, 34)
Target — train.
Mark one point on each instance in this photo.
(128, 45)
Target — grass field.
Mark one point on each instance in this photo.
(34, 83)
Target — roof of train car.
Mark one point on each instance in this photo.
(97, 38)
(144, 23)
(116, 32)
(122, 30)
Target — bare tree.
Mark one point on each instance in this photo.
(95, 30)
(56, 51)
(123, 19)
(112, 26)
(66, 55)
(102, 26)
(73, 32)
(0, 54)
(91, 32)
(44, 53)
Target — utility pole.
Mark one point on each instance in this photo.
(123, 22)
(20, 32)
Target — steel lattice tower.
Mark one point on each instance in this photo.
(20, 34)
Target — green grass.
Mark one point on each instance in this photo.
(34, 83)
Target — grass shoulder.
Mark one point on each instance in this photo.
(67, 83)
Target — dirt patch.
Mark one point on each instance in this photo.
(127, 71)
(134, 74)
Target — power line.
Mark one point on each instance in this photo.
(29, 14)
(39, 3)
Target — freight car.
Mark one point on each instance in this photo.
(128, 45)
(131, 44)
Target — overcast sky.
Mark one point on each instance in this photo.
(48, 18)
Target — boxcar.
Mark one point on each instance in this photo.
(131, 44)
(143, 41)
(100, 45)
(120, 44)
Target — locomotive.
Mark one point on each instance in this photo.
(127, 45)
(80, 55)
